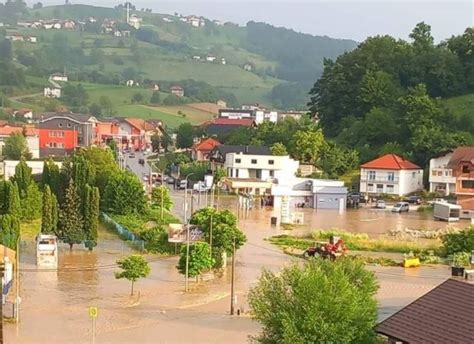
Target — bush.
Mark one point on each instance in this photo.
(459, 242)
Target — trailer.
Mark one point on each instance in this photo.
(446, 211)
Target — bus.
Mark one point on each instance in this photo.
(47, 251)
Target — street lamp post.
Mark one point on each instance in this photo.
(186, 281)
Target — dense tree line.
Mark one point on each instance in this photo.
(383, 96)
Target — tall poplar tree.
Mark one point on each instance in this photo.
(91, 221)
(47, 211)
(70, 217)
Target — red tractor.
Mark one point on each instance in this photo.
(332, 249)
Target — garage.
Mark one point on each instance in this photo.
(331, 198)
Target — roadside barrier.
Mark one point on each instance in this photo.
(123, 232)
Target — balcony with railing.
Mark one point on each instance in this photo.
(379, 178)
(442, 175)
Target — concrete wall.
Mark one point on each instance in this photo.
(36, 167)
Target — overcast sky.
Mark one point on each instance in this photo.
(339, 19)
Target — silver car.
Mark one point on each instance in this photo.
(401, 207)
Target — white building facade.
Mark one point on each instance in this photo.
(390, 174)
(441, 177)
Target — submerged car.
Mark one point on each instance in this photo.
(401, 207)
(380, 204)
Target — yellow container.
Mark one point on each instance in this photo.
(411, 262)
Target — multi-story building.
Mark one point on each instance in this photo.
(462, 165)
(441, 177)
(134, 133)
(61, 133)
(390, 174)
(201, 150)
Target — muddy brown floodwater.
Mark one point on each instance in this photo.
(55, 304)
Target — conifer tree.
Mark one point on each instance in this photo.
(47, 211)
(22, 177)
(70, 217)
(9, 230)
(13, 200)
(54, 214)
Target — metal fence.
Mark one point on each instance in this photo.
(123, 232)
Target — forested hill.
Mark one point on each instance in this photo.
(281, 64)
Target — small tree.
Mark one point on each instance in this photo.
(320, 302)
(124, 194)
(16, 147)
(184, 136)
(160, 196)
(155, 98)
(278, 149)
(47, 211)
(22, 177)
(137, 98)
(31, 204)
(134, 267)
(91, 222)
(70, 217)
(200, 259)
(9, 230)
(13, 200)
(155, 142)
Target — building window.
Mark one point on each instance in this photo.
(60, 125)
(391, 176)
(467, 184)
(433, 173)
(447, 173)
(237, 173)
(390, 188)
(272, 173)
(52, 134)
(370, 187)
(271, 162)
(69, 125)
(371, 175)
(379, 187)
(254, 161)
(413, 174)
(237, 161)
(465, 169)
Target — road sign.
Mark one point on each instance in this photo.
(93, 311)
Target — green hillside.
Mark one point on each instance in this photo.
(163, 51)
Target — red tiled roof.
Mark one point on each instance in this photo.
(462, 154)
(207, 144)
(8, 130)
(443, 315)
(140, 124)
(229, 121)
(391, 162)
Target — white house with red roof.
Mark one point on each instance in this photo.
(390, 174)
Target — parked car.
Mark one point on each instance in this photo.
(170, 180)
(413, 199)
(380, 204)
(182, 184)
(131, 155)
(200, 187)
(141, 161)
(401, 207)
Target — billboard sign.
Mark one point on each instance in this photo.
(177, 233)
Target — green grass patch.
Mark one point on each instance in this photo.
(146, 112)
(30, 229)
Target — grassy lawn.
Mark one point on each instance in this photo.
(194, 116)
(146, 112)
(29, 230)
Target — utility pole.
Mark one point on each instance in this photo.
(2, 274)
(210, 235)
(128, 12)
(17, 299)
(232, 291)
(186, 277)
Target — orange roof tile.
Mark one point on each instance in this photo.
(391, 162)
(8, 130)
(206, 144)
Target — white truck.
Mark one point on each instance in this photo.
(446, 211)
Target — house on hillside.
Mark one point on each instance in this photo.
(236, 114)
(52, 92)
(135, 21)
(462, 165)
(221, 103)
(210, 58)
(390, 174)
(69, 24)
(177, 91)
(58, 77)
(443, 315)
(201, 150)
(224, 126)
(248, 67)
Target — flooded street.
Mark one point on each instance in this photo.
(55, 304)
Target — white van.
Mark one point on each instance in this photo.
(47, 250)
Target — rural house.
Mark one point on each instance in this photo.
(177, 91)
(390, 174)
(462, 165)
(201, 150)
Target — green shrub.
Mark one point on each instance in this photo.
(459, 242)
